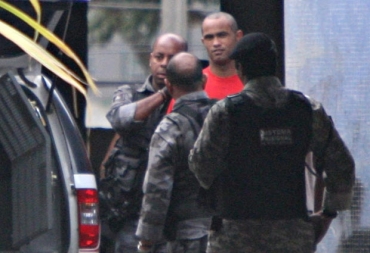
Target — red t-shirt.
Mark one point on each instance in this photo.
(218, 87)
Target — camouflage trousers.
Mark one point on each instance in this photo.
(265, 236)
(188, 246)
(126, 241)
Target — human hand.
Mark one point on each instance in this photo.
(101, 171)
(165, 93)
(144, 246)
(321, 224)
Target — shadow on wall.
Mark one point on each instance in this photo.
(359, 239)
(357, 242)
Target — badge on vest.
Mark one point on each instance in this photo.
(276, 137)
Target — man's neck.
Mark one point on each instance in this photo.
(223, 70)
(156, 86)
(179, 93)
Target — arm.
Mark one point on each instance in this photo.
(336, 169)
(319, 189)
(321, 223)
(147, 105)
(110, 147)
(157, 187)
(125, 114)
(208, 157)
(335, 162)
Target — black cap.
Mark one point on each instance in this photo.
(256, 54)
(254, 44)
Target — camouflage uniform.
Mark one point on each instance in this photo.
(170, 189)
(134, 140)
(207, 160)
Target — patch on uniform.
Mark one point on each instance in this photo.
(277, 136)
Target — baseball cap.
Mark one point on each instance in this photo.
(256, 43)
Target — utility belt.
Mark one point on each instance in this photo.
(187, 210)
(218, 221)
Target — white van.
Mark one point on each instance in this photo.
(48, 191)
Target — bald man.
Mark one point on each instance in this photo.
(134, 114)
(220, 33)
(170, 207)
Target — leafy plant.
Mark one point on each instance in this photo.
(34, 50)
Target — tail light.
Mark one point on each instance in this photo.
(88, 218)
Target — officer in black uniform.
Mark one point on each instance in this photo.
(251, 155)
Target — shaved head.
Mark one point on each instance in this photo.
(164, 48)
(185, 70)
(172, 38)
(222, 15)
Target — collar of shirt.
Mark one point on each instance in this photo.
(266, 91)
(263, 83)
(191, 96)
(147, 86)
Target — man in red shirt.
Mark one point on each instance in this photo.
(220, 34)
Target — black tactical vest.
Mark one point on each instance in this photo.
(265, 178)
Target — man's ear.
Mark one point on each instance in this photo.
(239, 71)
(204, 81)
(150, 59)
(239, 34)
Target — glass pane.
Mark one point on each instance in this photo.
(327, 57)
(121, 33)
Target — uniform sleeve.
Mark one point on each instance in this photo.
(122, 111)
(333, 158)
(208, 157)
(158, 184)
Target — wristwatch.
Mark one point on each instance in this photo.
(329, 214)
(141, 248)
(165, 93)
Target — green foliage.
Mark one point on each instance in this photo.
(135, 26)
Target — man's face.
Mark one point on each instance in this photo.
(219, 40)
(162, 52)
